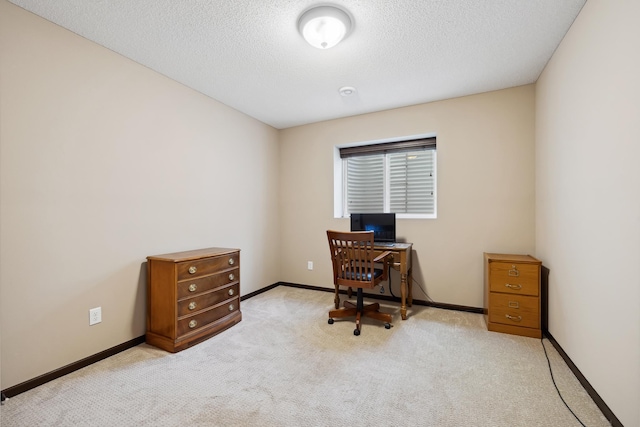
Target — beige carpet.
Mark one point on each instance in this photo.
(283, 365)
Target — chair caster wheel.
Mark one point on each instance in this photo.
(356, 332)
(330, 321)
(387, 326)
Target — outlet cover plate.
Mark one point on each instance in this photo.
(95, 316)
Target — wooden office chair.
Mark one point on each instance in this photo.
(353, 260)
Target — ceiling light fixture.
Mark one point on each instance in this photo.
(324, 26)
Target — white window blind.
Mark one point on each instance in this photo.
(365, 183)
(411, 182)
(395, 177)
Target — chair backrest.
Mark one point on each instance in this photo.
(352, 256)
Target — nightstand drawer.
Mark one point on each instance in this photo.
(514, 278)
(516, 310)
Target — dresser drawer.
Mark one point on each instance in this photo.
(202, 267)
(191, 288)
(517, 310)
(514, 278)
(209, 299)
(197, 321)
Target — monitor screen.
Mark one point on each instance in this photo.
(383, 225)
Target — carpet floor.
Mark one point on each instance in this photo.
(284, 365)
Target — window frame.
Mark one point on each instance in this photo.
(339, 173)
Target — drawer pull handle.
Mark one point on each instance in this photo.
(193, 324)
(513, 272)
(192, 269)
(231, 277)
(192, 305)
(231, 261)
(512, 286)
(514, 304)
(231, 292)
(514, 318)
(193, 287)
(231, 307)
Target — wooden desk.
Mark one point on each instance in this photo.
(402, 263)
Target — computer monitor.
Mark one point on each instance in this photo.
(383, 225)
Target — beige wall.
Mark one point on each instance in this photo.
(104, 162)
(588, 198)
(485, 190)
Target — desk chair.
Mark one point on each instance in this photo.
(353, 261)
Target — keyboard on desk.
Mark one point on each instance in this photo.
(384, 244)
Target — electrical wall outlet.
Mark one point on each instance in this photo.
(309, 265)
(95, 316)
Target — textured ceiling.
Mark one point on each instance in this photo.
(249, 55)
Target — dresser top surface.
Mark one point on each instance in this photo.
(193, 254)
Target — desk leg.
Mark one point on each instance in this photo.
(336, 298)
(410, 288)
(403, 296)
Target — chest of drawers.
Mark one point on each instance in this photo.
(191, 296)
(512, 294)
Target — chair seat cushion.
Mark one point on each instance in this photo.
(355, 275)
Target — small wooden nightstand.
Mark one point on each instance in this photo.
(512, 294)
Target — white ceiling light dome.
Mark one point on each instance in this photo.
(324, 26)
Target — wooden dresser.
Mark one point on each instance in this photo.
(191, 296)
(512, 294)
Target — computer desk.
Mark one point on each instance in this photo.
(401, 262)
(401, 253)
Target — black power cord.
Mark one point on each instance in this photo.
(414, 281)
(389, 284)
(424, 291)
(541, 342)
(556, 386)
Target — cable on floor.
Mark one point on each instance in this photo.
(556, 386)
(424, 291)
(541, 342)
(414, 281)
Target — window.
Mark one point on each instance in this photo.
(397, 176)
